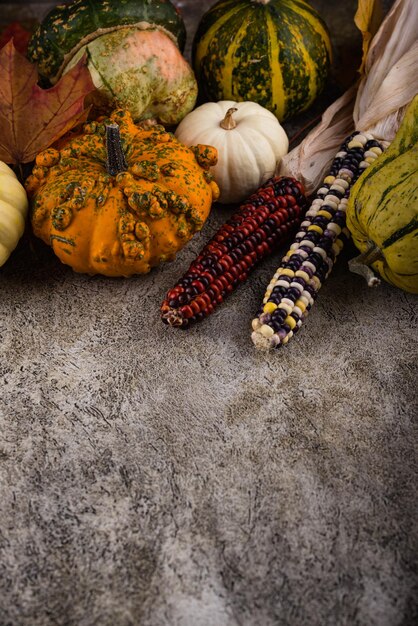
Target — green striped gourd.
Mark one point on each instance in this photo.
(68, 27)
(382, 213)
(273, 52)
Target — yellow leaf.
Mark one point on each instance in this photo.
(368, 18)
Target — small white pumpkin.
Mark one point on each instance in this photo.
(13, 210)
(249, 139)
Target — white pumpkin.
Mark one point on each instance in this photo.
(13, 210)
(249, 139)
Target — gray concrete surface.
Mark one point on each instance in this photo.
(154, 477)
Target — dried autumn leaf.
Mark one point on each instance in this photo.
(18, 33)
(31, 118)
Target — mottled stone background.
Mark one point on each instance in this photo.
(151, 477)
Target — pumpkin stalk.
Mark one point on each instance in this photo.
(228, 123)
(360, 264)
(116, 162)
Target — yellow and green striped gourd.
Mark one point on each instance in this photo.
(273, 52)
(382, 213)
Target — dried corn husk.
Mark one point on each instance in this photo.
(376, 104)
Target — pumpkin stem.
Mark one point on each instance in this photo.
(228, 123)
(360, 264)
(116, 161)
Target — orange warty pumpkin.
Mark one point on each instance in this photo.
(119, 199)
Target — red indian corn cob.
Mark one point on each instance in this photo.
(265, 221)
(310, 259)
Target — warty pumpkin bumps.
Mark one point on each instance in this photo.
(118, 199)
(132, 50)
(142, 71)
(68, 27)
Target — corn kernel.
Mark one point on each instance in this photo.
(266, 331)
(290, 321)
(288, 302)
(309, 265)
(361, 138)
(286, 272)
(332, 203)
(306, 242)
(316, 228)
(343, 183)
(316, 282)
(337, 188)
(323, 191)
(320, 251)
(302, 274)
(334, 228)
(256, 324)
(325, 213)
(301, 305)
(332, 198)
(285, 307)
(288, 336)
(269, 307)
(297, 286)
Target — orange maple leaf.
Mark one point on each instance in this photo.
(31, 118)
